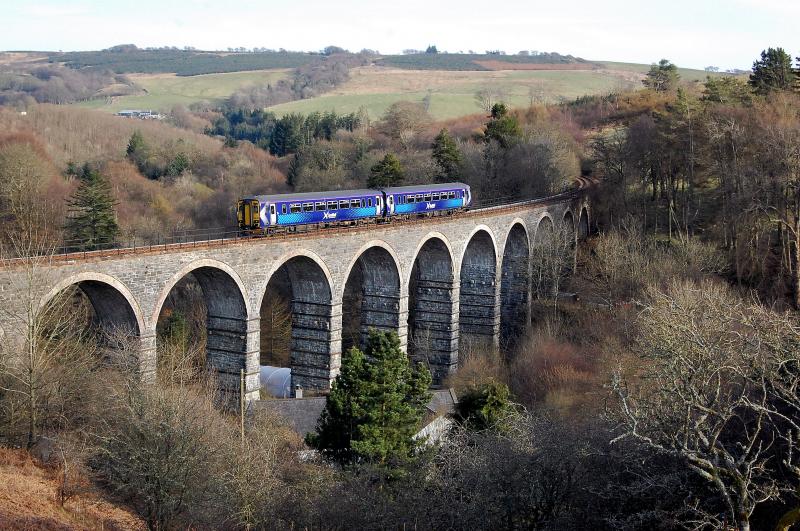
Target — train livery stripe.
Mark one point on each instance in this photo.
(428, 206)
(329, 216)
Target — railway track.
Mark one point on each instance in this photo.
(227, 238)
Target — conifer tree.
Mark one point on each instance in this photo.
(662, 77)
(503, 127)
(772, 72)
(375, 405)
(387, 172)
(447, 156)
(91, 218)
(138, 151)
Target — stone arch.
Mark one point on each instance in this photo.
(568, 221)
(280, 262)
(544, 229)
(313, 340)
(113, 303)
(423, 242)
(117, 314)
(207, 265)
(514, 285)
(433, 307)
(371, 294)
(479, 319)
(583, 224)
(231, 336)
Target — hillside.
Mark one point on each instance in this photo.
(164, 91)
(30, 499)
(452, 93)
(181, 62)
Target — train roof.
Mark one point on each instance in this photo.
(314, 196)
(336, 194)
(424, 188)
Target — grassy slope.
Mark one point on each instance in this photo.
(29, 500)
(376, 88)
(687, 74)
(167, 90)
(453, 93)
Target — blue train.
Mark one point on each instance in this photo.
(264, 212)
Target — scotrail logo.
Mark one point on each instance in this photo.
(329, 215)
(430, 206)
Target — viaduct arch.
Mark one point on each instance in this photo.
(439, 283)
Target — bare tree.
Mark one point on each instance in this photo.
(553, 259)
(485, 98)
(699, 394)
(46, 355)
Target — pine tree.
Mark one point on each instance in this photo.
(772, 72)
(91, 219)
(503, 128)
(375, 405)
(447, 156)
(138, 151)
(387, 172)
(484, 407)
(662, 77)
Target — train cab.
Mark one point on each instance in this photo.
(248, 214)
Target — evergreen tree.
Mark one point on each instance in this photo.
(138, 151)
(772, 72)
(387, 172)
(447, 156)
(91, 219)
(503, 127)
(375, 405)
(797, 75)
(485, 407)
(288, 135)
(662, 77)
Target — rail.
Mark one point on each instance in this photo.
(71, 250)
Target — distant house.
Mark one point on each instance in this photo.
(302, 414)
(141, 115)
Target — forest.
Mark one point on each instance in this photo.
(654, 387)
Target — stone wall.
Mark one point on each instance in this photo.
(472, 267)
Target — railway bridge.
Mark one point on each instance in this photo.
(443, 279)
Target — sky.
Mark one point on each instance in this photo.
(691, 33)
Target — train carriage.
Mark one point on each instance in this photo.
(262, 212)
(422, 199)
(285, 210)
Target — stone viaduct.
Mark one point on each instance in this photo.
(437, 280)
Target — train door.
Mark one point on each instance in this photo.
(378, 206)
(273, 215)
(390, 203)
(245, 215)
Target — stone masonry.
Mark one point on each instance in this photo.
(432, 281)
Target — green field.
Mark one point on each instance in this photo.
(164, 91)
(453, 93)
(687, 74)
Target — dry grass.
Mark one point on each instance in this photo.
(74, 134)
(29, 499)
